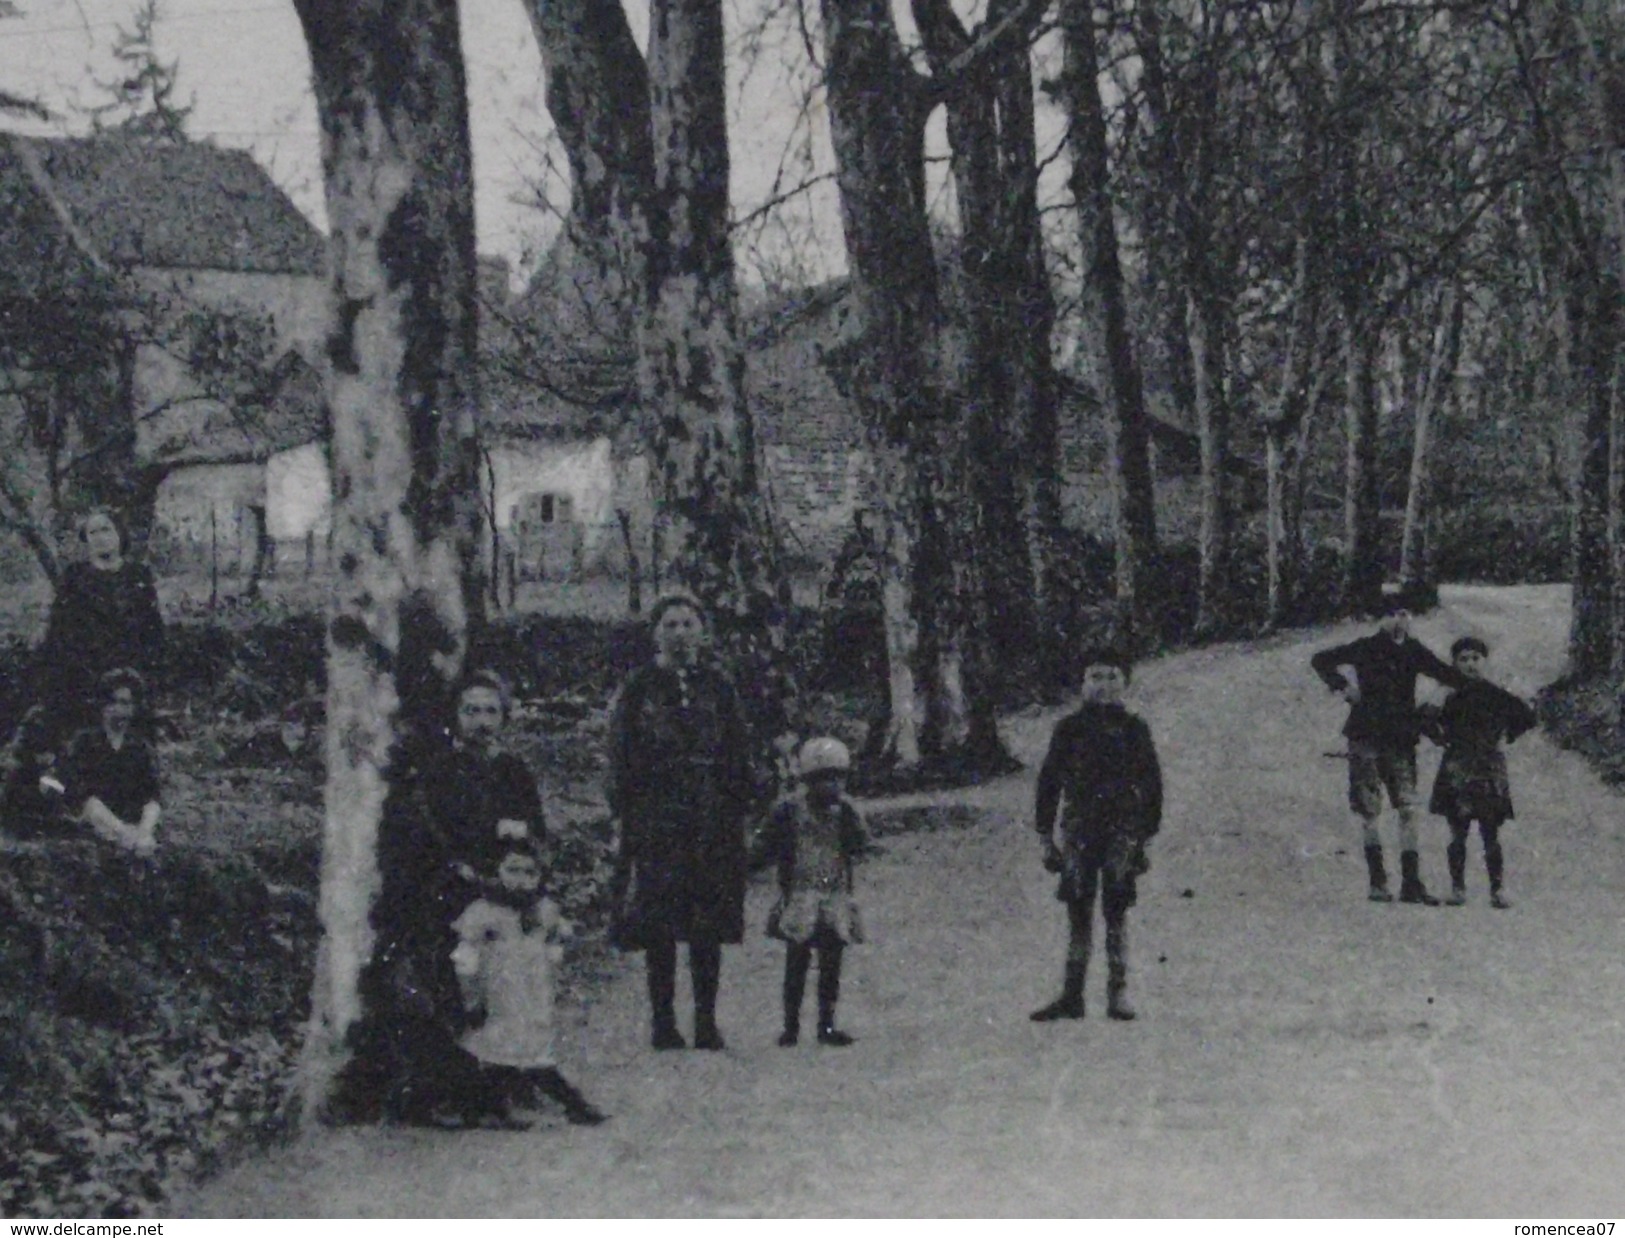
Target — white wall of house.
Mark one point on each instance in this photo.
(298, 494)
(204, 516)
(581, 471)
(579, 477)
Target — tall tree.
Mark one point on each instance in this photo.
(1008, 314)
(1188, 101)
(1549, 57)
(713, 509)
(1439, 377)
(1108, 338)
(877, 108)
(598, 98)
(399, 368)
(647, 143)
(1598, 33)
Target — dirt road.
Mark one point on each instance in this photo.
(1299, 1052)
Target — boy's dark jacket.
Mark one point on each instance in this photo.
(776, 842)
(1102, 761)
(1387, 671)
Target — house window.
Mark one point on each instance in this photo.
(553, 508)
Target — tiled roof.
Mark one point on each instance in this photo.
(36, 251)
(140, 202)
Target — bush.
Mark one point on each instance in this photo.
(1487, 544)
(1171, 588)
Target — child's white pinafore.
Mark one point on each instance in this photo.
(512, 970)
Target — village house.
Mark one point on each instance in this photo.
(205, 236)
(572, 496)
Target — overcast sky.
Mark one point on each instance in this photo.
(245, 63)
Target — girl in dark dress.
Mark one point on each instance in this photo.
(680, 785)
(1472, 781)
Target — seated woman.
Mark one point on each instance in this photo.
(450, 819)
(110, 776)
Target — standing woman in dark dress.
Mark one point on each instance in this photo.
(680, 785)
(104, 617)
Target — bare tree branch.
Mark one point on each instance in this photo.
(1021, 23)
(779, 199)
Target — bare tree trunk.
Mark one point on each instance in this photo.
(991, 259)
(1362, 525)
(893, 491)
(1279, 442)
(877, 109)
(261, 563)
(691, 364)
(598, 97)
(1030, 316)
(648, 151)
(1445, 355)
(1213, 592)
(1286, 449)
(1597, 33)
(1616, 526)
(1593, 328)
(1165, 263)
(1283, 431)
(634, 565)
(1354, 263)
(1108, 340)
(399, 372)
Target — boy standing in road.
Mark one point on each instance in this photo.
(1377, 676)
(1472, 781)
(1103, 765)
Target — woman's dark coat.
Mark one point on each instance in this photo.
(680, 781)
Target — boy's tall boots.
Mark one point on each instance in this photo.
(1378, 874)
(1493, 863)
(1117, 1003)
(1070, 1004)
(1456, 856)
(1080, 917)
(1411, 889)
